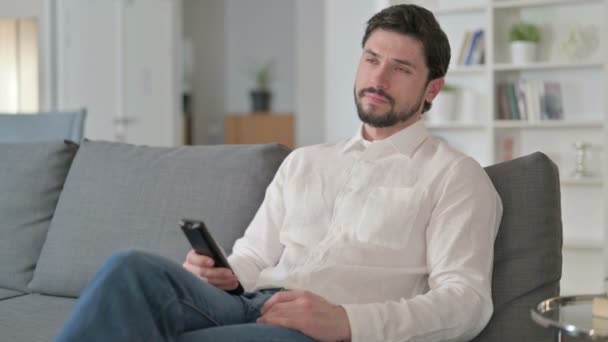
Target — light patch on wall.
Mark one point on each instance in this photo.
(19, 75)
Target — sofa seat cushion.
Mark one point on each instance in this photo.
(120, 196)
(33, 318)
(31, 179)
(6, 294)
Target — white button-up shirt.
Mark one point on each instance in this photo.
(399, 231)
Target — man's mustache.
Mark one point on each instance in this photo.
(379, 92)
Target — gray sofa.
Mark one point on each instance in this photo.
(65, 208)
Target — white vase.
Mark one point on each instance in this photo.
(523, 52)
(444, 107)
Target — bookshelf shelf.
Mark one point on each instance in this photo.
(581, 182)
(548, 124)
(455, 126)
(548, 66)
(538, 3)
(466, 69)
(573, 94)
(575, 242)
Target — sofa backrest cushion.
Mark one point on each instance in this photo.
(120, 196)
(31, 179)
(528, 247)
(47, 126)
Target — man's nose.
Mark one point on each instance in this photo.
(380, 78)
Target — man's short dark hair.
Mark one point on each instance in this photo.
(418, 23)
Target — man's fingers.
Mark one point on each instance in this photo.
(276, 320)
(216, 273)
(229, 286)
(281, 297)
(209, 272)
(198, 259)
(223, 282)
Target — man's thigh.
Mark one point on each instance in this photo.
(199, 305)
(251, 332)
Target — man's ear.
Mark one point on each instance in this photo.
(433, 88)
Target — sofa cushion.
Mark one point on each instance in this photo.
(121, 196)
(5, 294)
(33, 318)
(528, 247)
(31, 179)
(42, 127)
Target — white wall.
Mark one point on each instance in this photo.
(204, 25)
(345, 24)
(151, 63)
(255, 32)
(309, 38)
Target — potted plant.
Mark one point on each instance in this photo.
(445, 105)
(524, 38)
(261, 96)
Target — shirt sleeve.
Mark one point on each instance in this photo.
(460, 249)
(260, 247)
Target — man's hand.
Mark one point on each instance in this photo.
(202, 267)
(307, 313)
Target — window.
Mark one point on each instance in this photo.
(18, 66)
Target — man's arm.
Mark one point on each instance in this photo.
(460, 249)
(260, 247)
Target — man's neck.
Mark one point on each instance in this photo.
(380, 133)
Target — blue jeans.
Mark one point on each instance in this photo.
(137, 296)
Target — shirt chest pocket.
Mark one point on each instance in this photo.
(390, 216)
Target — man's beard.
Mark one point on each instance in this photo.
(389, 118)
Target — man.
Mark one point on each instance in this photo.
(387, 236)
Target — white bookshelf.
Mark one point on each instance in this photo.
(461, 69)
(548, 66)
(584, 90)
(591, 181)
(455, 126)
(537, 3)
(547, 124)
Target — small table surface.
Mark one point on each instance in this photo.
(573, 316)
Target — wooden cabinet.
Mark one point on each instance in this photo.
(260, 129)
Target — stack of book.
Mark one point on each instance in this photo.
(472, 50)
(530, 100)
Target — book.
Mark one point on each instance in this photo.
(464, 47)
(513, 105)
(475, 44)
(477, 56)
(504, 112)
(523, 99)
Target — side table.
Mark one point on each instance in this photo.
(572, 316)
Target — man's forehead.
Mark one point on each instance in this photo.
(393, 45)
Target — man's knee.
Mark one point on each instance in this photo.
(129, 260)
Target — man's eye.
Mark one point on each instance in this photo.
(403, 70)
(371, 60)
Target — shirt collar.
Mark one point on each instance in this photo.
(405, 141)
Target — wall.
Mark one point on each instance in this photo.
(230, 39)
(345, 23)
(255, 32)
(309, 87)
(204, 25)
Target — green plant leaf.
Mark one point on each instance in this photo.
(523, 31)
(263, 76)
